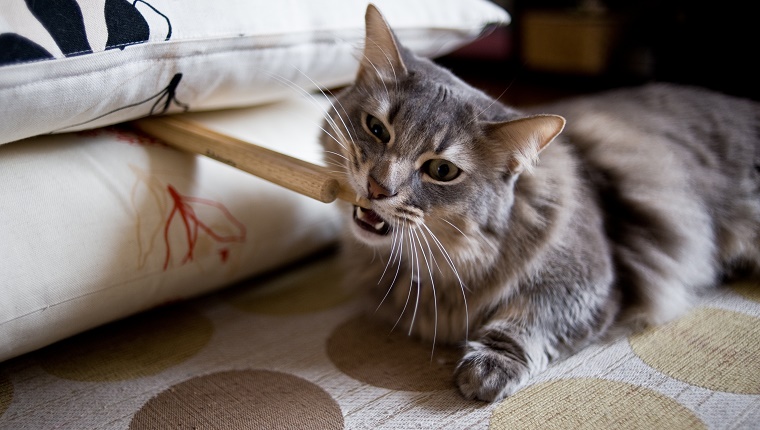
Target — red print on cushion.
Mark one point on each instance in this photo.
(183, 207)
(124, 134)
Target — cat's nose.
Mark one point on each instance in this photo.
(377, 191)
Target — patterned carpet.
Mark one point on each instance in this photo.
(290, 350)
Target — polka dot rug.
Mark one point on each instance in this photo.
(291, 350)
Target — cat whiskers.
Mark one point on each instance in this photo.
(330, 100)
(451, 264)
(390, 63)
(492, 103)
(332, 161)
(337, 155)
(339, 137)
(377, 71)
(409, 292)
(455, 227)
(429, 265)
(396, 243)
(414, 279)
(414, 242)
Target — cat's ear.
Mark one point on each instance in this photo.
(523, 139)
(382, 58)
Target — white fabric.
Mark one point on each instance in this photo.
(204, 55)
(104, 223)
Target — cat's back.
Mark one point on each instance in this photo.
(682, 101)
(689, 116)
(677, 173)
(665, 133)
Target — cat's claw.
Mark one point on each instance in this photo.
(488, 375)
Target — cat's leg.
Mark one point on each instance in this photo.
(504, 357)
(499, 362)
(530, 332)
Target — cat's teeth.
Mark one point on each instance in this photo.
(368, 220)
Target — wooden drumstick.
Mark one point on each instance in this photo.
(292, 173)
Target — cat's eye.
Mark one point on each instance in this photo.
(378, 129)
(441, 170)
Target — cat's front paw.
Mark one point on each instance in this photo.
(490, 375)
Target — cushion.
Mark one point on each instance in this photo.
(74, 65)
(104, 223)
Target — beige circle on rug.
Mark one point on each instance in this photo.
(139, 346)
(310, 288)
(710, 348)
(244, 399)
(589, 403)
(748, 290)
(6, 394)
(371, 353)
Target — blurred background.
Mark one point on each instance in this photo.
(557, 48)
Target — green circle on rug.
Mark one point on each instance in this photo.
(243, 399)
(371, 353)
(6, 394)
(710, 348)
(589, 403)
(139, 346)
(748, 290)
(310, 288)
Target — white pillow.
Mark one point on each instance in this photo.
(88, 63)
(100, 224)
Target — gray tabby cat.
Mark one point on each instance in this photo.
(649, 197)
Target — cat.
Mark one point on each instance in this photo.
(526, 236)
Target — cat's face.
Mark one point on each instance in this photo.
(434, 157)
(414, 158)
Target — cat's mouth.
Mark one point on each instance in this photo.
(369, 220)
